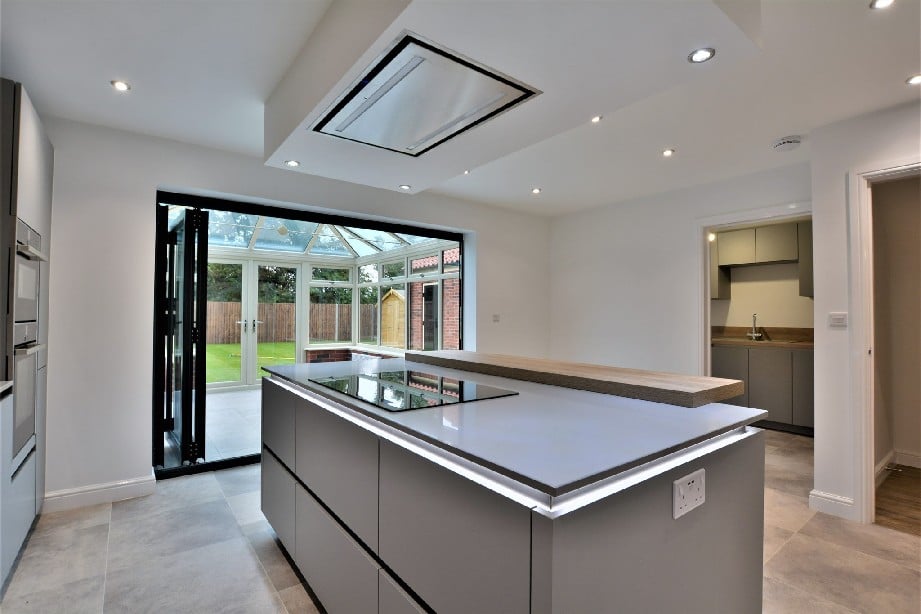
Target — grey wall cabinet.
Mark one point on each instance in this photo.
(732, 363)
(770, 381)
(339, 463)
(337, 568)
(720, 286)
(460, 546)
(278, 406)
(803, 387)
(776, 243)
(736, 247)
(278, 499)
(804, 239)
(394, 600)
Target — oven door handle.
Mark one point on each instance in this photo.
(27, 251)
(29, 349)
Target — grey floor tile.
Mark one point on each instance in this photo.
(881, 542)
(79, 597)
(171, 494)
(247, 508)
(780, 598)
(785, 479)
(297, 601)
(276, 566)
(774, 539)
(81, 518)
(239, 480)
(136, 541)
(221, 577)
(59, 558)
(846, 577)
(786, 511)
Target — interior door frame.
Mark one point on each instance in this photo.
(860, 224)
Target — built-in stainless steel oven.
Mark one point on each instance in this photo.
(26, 348)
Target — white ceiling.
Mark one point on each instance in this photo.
(202, 71)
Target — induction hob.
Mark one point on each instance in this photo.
(405, 390)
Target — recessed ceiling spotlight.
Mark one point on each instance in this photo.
(120, 86)
(913, 80)
(668, 153)
(467, 172)
(406, 186)
(596, 119)
(881, 4)
(535, 191)
(292, 163)
(711, 237)
(701, 55)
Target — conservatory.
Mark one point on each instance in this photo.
(263, 286)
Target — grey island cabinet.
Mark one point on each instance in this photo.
(546, 500)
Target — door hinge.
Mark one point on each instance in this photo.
(195, 334)
(192, 450)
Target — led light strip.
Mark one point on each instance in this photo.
(542, 503)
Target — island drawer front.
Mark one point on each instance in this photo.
(278, 420)
(461, 547)
(343, 576)
(278, 498)
(394, 600)
(339, 463)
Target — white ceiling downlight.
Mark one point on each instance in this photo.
(881, 4)
(699, 56)
(535, 190)
(406, 186)
(292, 163)
(417, 96)
(787, 143)
(120, 86)
(913, 80)
(668, 153)
(597, 119)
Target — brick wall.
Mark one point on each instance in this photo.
(450, 317)
(338, 354)
(415, 316)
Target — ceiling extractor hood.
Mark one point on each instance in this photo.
(417, 96)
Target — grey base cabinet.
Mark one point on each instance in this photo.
(337, 568)
(277, 497)
(777, 380)
(391, 599)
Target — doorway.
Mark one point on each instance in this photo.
(895, 216)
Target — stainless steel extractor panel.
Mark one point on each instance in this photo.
(418, 96)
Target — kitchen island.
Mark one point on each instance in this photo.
(542, 499)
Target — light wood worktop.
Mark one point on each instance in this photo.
(659, 387)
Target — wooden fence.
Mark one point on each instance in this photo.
(278, 322)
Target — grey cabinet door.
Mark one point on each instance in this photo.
(394, 600)
(719, 276)
(776, 243)
(338, 461)
(278, 421)
(732, 363)
(339, 571)
(770, 378)
(804, 239)
(736, 246)
(803, 388)
(278, 499)
(461, 547)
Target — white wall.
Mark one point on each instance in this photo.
(771, 291)
(99, 401)
(874, 141)
(627, 286)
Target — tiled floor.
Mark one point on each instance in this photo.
(200, 544)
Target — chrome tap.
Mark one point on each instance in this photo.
(753, 333)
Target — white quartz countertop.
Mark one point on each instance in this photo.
(553, 439)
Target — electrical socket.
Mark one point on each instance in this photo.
(689, 492)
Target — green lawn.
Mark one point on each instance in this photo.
(222, 360)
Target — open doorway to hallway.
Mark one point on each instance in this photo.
(895, 209)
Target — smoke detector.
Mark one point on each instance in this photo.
(787, 143)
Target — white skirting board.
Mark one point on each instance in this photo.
(881, 473)
(909, 459)
(833, 504)
(94, 494)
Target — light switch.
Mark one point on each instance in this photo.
(837, 319)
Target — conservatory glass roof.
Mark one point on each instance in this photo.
(263, 233)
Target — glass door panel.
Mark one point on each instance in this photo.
(276, 317)
(226, 323)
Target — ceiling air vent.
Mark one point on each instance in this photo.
(417, 96)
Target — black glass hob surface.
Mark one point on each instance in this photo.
(406, 390)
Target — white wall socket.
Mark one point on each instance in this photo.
(689, 492)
